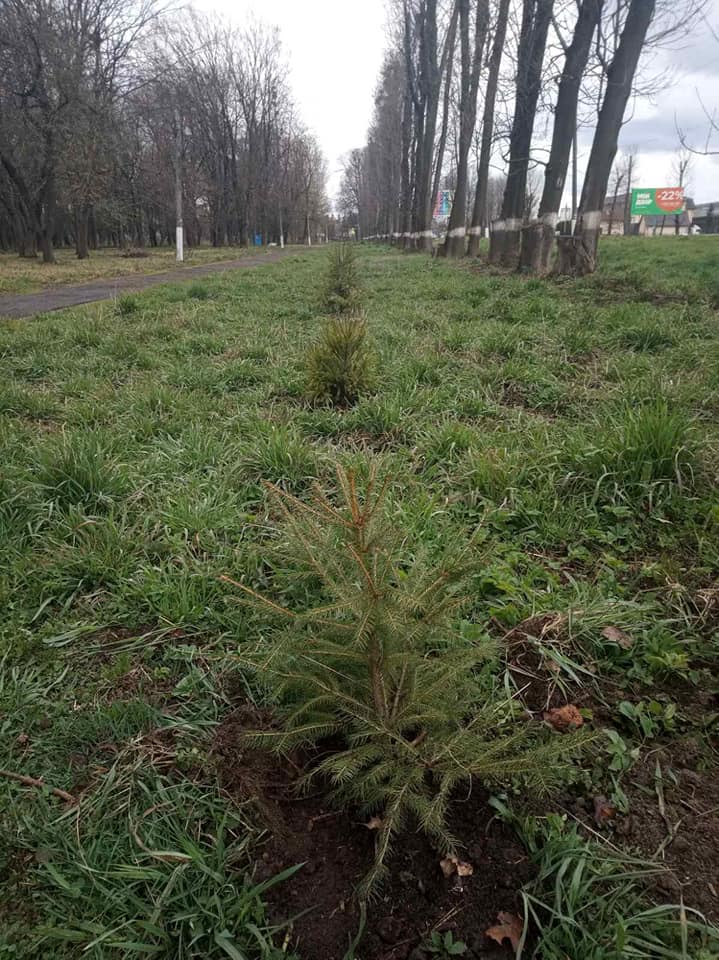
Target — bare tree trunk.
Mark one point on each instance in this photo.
(578, 254)
(430, 81)
(82, 217)
(27, 242)
(610, 225)
(405, 221)
(48, 219)
(683, 167)
(30, 212)
(425, 86)
(575, 173)
(628, 199)
(538, 237)
(454, 245)
(480, 216)
(439, 160)
(505, 241)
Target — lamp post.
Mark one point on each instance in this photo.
(179, 228)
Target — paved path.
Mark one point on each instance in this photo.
(57, 298)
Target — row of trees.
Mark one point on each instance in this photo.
(117, 118)
(472, 86)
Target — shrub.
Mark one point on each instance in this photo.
(381, 666)
(340, 366)
(342, 290)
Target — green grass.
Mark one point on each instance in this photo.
(588, 902)
(576, 422)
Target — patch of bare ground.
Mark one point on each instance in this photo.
(336, 850)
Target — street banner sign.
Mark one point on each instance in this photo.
(443, 204)
(656, 201)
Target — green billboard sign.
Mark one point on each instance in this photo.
(656, 201)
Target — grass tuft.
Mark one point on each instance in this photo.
(79, 470)
(644, 451)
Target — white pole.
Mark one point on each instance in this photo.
(179, 230)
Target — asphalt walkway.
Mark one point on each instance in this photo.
(57, 298)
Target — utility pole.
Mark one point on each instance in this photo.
(179, 229)
(575, 177)
(628, 198)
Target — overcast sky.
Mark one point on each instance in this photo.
(335, 48)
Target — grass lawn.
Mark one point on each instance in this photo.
(28, 276)
(575, 422)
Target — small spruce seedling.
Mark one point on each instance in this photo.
(342, 288)
(379, 669)
(341, 364)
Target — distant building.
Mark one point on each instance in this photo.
(613, 213)
(706, 217)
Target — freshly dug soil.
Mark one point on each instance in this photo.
(673, 794)
(336, 851)
(686, 832)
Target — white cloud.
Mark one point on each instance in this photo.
(335, 50)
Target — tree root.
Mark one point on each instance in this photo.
(40, 784)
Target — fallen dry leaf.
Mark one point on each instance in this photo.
(510, 928)
(375, 823)
(451, 865)
(564, 718)
(448, 866)
(603, 810)
(615, 635)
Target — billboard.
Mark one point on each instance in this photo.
(443, 204)
(656, 201)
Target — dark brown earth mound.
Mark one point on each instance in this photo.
(336, 851)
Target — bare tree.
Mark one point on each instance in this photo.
(471, 60)
(538, 238)
(102, 102)
(680, 173)
(578, 254)
(425, 60)
(712, 117)
(631, 173)
(480, 214)
(447, 102)
(63, 66)
(616, 182)
(352, 188)
(506, 232)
